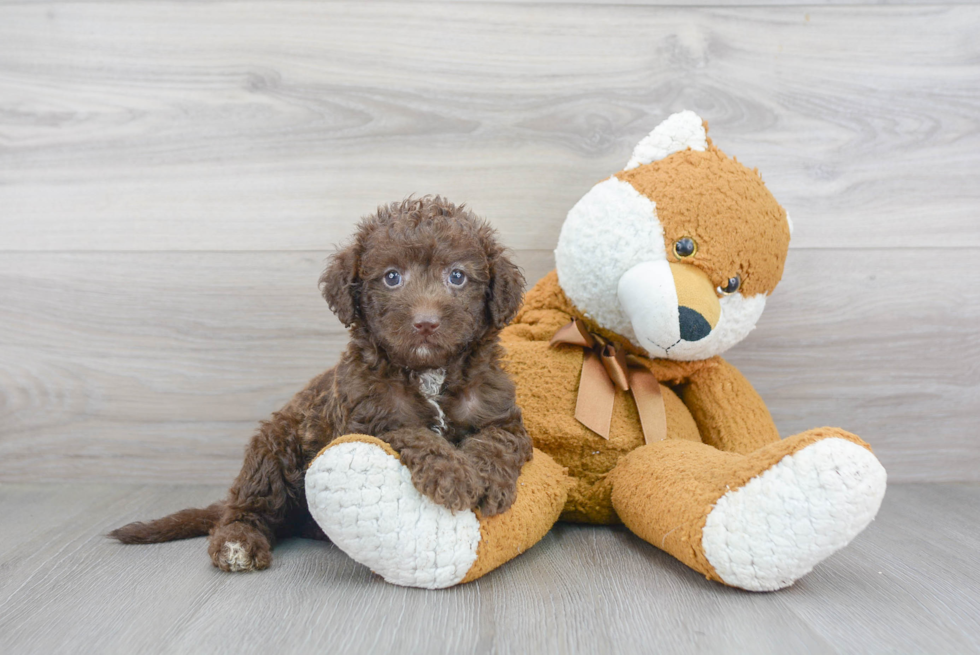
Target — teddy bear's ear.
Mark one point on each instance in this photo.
(679, 132)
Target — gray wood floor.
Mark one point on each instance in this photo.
(909, 584)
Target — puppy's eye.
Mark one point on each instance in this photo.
(393, 279)
(457, 278)
(685, 247)
(731, 287)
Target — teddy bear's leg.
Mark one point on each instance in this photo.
(759, 521)
(363, 498)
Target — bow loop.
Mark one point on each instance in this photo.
(574, 333)
(614, 361)
(606, 368)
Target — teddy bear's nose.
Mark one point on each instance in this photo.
(694, 327)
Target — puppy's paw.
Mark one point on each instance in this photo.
(501, 492)
(450, 480)
(239, 547)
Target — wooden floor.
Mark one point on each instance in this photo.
(910, 584)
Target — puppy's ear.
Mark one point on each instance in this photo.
(339, 284)
(506, 289)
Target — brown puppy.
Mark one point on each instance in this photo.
(425, 289)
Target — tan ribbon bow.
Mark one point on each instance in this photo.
(604, 370)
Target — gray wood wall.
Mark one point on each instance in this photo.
(173, 175)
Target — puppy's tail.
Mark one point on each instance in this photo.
(184, 524)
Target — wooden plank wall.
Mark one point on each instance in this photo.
(173, 174)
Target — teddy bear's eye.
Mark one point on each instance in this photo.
(731, 286)
(685, 247)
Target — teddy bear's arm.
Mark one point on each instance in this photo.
(730, 414)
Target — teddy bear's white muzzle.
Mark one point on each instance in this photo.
(675, 314)
(649, 298)
(669, 303)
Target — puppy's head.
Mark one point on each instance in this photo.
(425, 280)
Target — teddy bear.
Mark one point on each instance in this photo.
(635, 417)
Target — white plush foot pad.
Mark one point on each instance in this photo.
(775, 529)
(364, 500)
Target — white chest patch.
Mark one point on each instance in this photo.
(430, 384)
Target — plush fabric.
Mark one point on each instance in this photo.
(362, 496)
(667, 492)
(549, 402)
(726, 208)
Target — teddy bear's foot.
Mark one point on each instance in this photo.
(773, 530)
(758, 521)
(363, 498)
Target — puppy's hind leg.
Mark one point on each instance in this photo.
(264, 500)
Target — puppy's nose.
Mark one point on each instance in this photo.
(426, 325)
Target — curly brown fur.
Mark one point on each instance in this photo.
(464, 444)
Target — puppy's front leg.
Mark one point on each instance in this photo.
(498, 453)
(439, 470)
